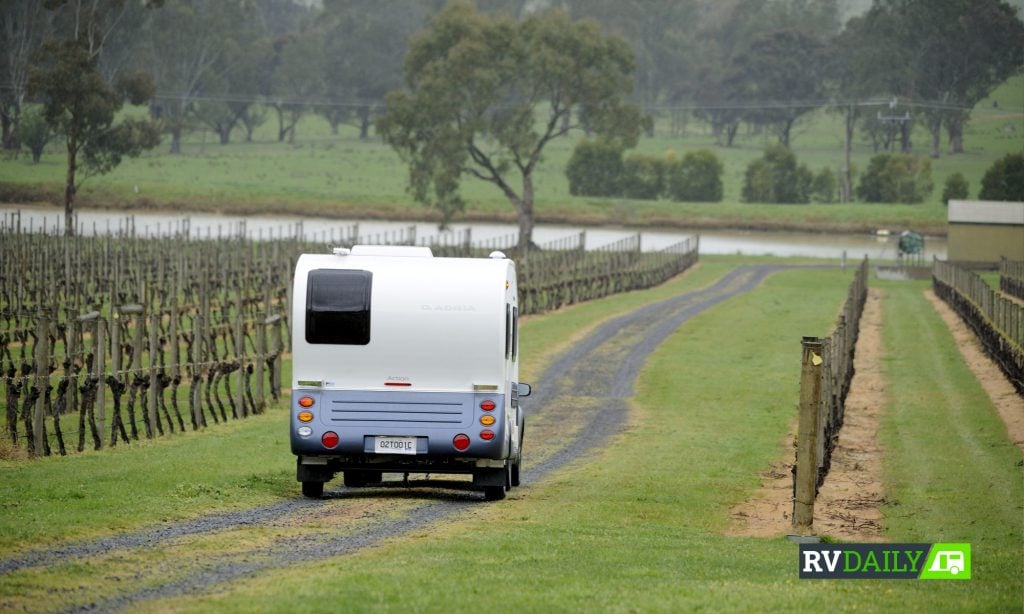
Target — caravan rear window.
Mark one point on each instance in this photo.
(338, 307)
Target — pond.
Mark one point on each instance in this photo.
(204, 225)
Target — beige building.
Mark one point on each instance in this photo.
(985, 231)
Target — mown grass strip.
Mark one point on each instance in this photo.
(952, 474)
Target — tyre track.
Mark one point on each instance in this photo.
(594, 378)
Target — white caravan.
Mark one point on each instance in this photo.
(405, 363)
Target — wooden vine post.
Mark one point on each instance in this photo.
(42, 381)
(807, 437)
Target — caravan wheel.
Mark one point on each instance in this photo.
(313, 490)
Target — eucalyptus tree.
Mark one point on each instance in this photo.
(23, 26)
(188, 42)
(297, 80)
(948, 55)
(662, 34)
(486, 94)
(783, 71)
(81, 106)
(79, 102)
(365, 41)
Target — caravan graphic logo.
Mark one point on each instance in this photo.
(886, 561)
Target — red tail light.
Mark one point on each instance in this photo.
(487, 405)
(330, 439)
(461, 442)
(487, 434)
(306, 402)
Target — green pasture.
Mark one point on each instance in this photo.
(341, 176)
(637, 526)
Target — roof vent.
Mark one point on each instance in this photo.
(341, 251)
(497, 255)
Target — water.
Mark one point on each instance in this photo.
(203, 225)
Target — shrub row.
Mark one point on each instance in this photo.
(597, 168)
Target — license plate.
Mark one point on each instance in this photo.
(394, 445)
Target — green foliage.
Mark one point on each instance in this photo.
(487, 94)
(33, 131)
(595, 169)
(896, 178)
(776, 178)
(643, 177)
(697, 177)
(823, 188)
(1004, 180)
(955, 188)
(81, 106)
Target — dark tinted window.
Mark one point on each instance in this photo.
(338, 307)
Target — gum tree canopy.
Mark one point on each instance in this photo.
(486, 94)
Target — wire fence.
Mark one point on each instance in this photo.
(1011, 277)
(826, 373)
(997, 320)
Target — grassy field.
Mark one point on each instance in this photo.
(636, 527)
(341, 176)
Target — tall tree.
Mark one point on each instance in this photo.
(364, 46)
(487, 94)
(297, 79)
(23, 26)
(188, 41)
(81, 106)
(952, 54)
(782, 71)
(662, 35)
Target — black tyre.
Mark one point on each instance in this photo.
(514, 478)
(494, 493)
(313, 490)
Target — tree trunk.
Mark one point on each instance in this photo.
(784, 129)
(69, 187)
(525, 209)
(175, 140)
(282, 132)
(8, 132)
(730, 133)
(955, 129)
(225, 134)
(364, 123)
(935, 127)
(847, 187)
(905, 143)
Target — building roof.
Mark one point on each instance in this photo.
(985, 212)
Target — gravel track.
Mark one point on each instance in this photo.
(594, 378)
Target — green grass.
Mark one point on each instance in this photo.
(230, 466)
(341, 176)
(951, 472)
(638, 526)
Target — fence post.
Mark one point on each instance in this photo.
(240, 357)
(99, 352)
(154, 377)
(42, 381)
(807, 444)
